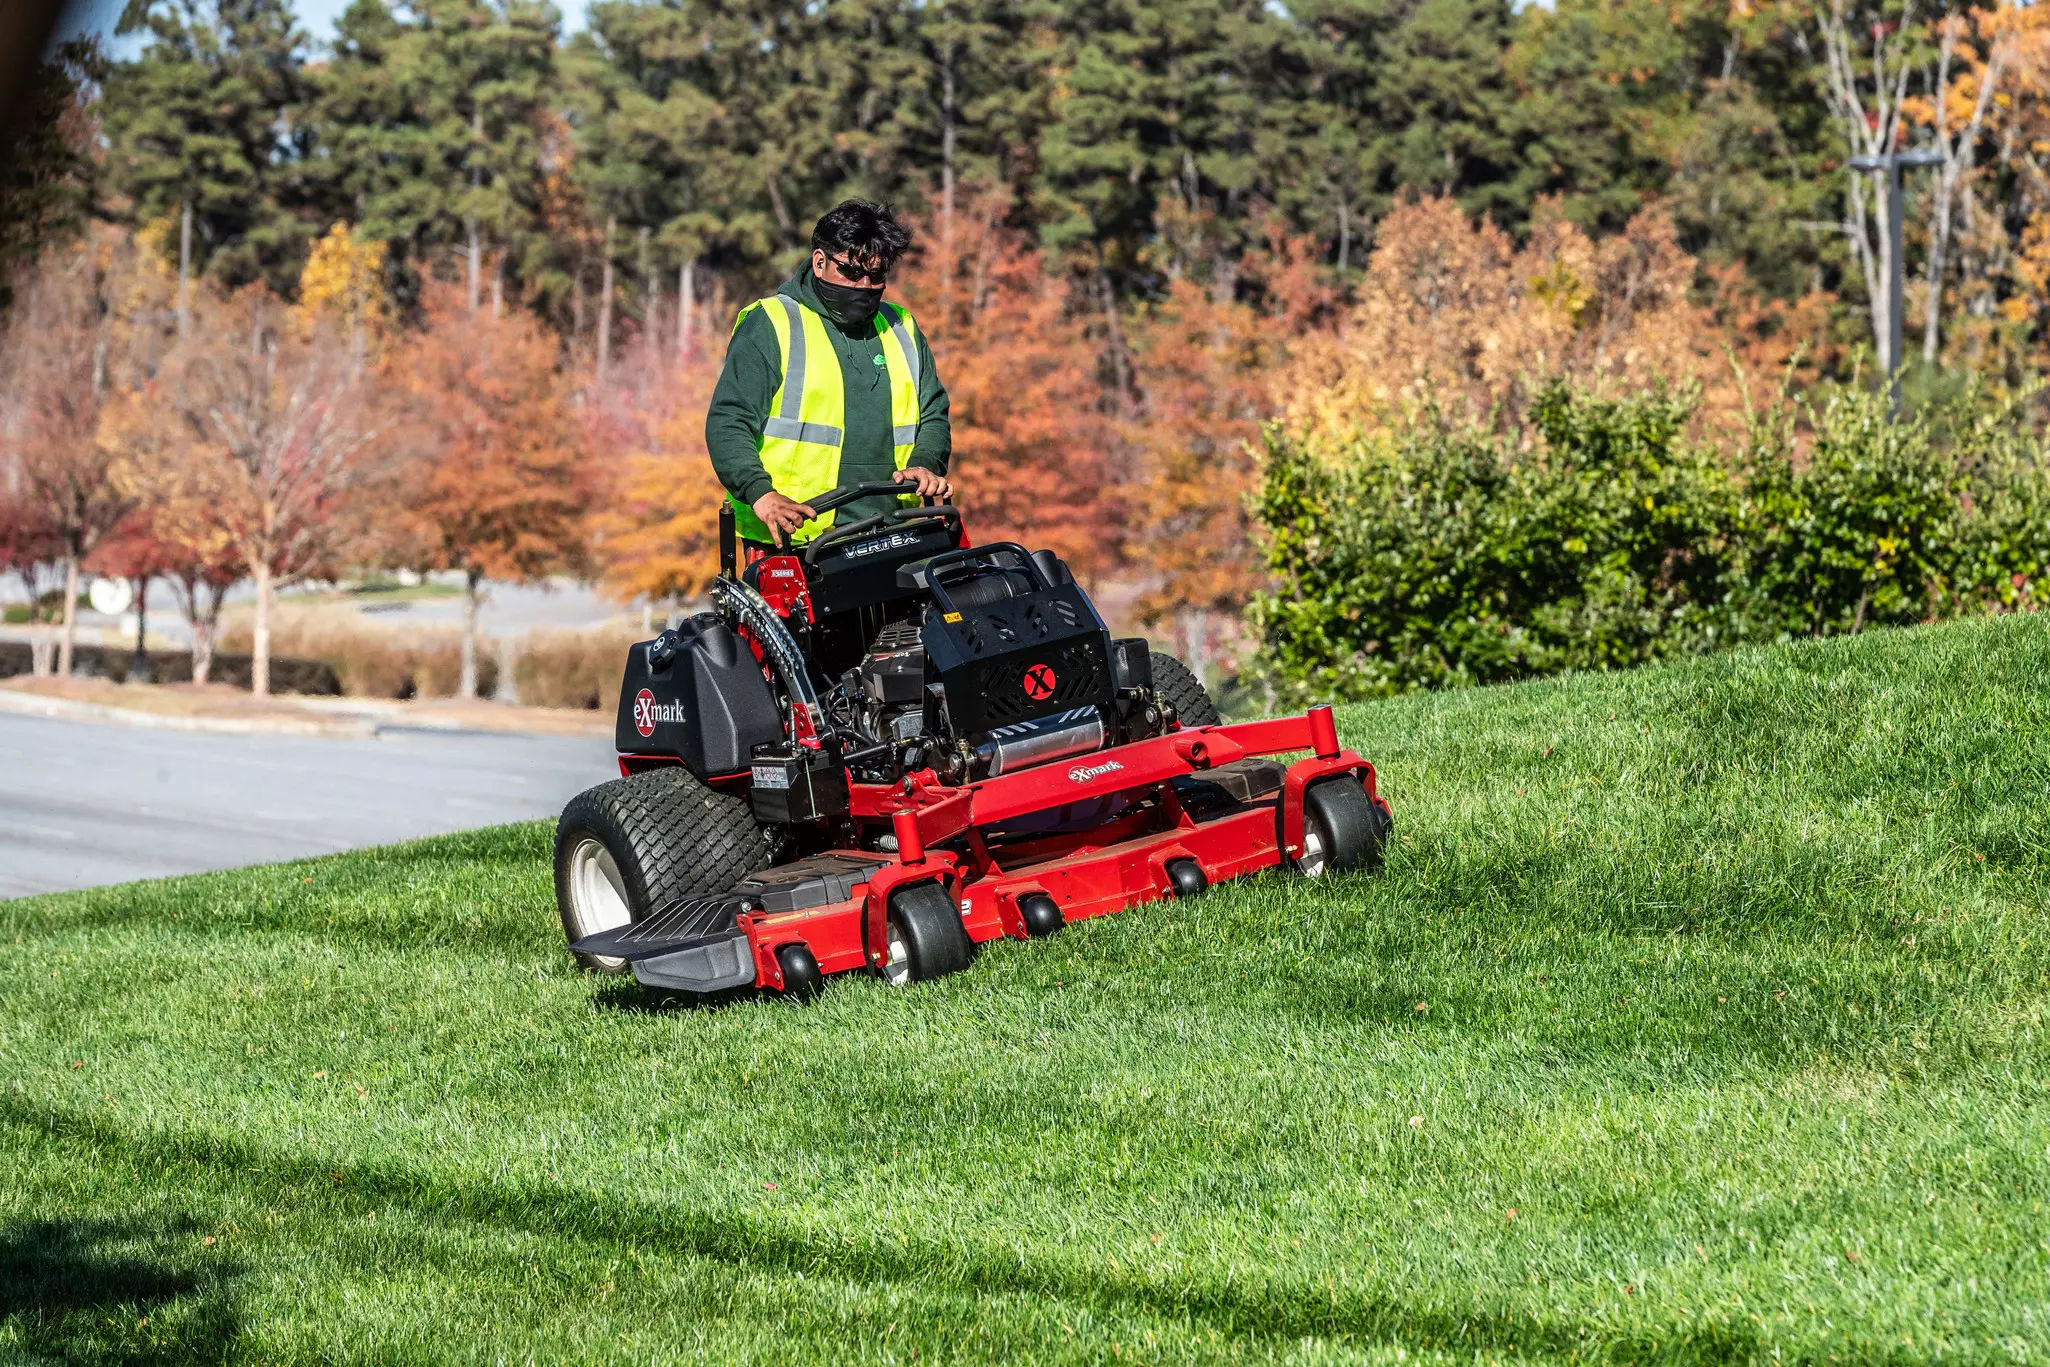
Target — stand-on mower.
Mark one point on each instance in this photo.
(888, 745)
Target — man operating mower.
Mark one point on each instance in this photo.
(826, 385)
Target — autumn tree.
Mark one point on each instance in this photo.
(1030, 445)
(1455, 315)
(654, 519)
(29, 547)
(1206, 369)
(81, 326)
(492, 486)
(273, 416)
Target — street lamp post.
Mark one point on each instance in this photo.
(1891, 164)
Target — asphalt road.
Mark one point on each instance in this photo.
(83, 804)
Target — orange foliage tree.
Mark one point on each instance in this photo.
(1031, 442)
(1452, 313)
(654, 527)
(253, 440)
(1205, 366)
(492, 486)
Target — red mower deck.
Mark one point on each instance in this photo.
(1205, 805)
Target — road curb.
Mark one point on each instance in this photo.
(66, 709)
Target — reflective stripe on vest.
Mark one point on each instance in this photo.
(805, 431)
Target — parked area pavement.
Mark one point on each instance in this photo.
(83, 804)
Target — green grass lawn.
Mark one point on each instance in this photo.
(1699, 1015)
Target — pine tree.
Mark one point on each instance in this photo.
(47, 175)
(205, 128)
(438, 115)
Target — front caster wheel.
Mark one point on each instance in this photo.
(1186, 878)
(802, 981)
(1342, 828)
(923, 938)
(1041, 915)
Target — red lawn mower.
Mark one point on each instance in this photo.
(889, 745)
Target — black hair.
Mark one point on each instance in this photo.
(863, 231)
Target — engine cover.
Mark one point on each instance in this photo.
(1006, 644)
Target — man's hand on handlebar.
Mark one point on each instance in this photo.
(930, 485)
(782, 515)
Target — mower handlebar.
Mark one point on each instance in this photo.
(829, 501)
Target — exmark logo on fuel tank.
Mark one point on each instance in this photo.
(648, 714)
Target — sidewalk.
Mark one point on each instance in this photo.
(222, 709)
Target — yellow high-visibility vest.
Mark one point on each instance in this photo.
(806, 427)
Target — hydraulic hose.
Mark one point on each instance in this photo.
(748, 609)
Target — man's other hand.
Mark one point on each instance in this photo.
(929, 484)
(781, 515)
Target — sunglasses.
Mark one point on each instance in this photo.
(879, 275)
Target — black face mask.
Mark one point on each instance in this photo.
(848, 305)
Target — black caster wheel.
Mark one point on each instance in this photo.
(1186, 877)
(802, 981)
(924, 938)
(1342, 828)
(1041, 914)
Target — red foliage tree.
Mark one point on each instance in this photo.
(493, 486)
(1030, 438)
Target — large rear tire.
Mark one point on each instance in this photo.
(624, 848)
(1178, 685)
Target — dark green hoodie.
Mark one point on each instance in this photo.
(754, 370)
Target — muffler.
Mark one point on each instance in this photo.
(1011, 748)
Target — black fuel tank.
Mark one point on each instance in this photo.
(697, 692)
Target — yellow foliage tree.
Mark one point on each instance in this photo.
(344, 282)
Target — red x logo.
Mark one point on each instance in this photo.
(1039, 682)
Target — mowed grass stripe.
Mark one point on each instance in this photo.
(1727, 978)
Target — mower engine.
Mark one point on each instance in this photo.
(1004, 665)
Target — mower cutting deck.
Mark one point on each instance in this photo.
(894, 746)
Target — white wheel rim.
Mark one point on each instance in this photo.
(1315, 858)
(597, 895)
(897, 957)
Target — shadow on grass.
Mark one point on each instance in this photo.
(78, 1290)
(628, 997)
(1277, 1310)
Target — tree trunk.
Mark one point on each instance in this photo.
(70, 636)
(259, 647)
(1120, 358)
(576, 305)
(466, 683)
(202, 618)
(686, 306)
(204, 633)
(184, 268)
(476, 247)
(651, 296)
(782, 210)
(605, 301)
(497, 294)
(138, 667)
(1344, 232)
(947, 153)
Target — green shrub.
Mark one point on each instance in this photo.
(1446, 555)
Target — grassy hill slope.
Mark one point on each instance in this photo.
(1699, 1015)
